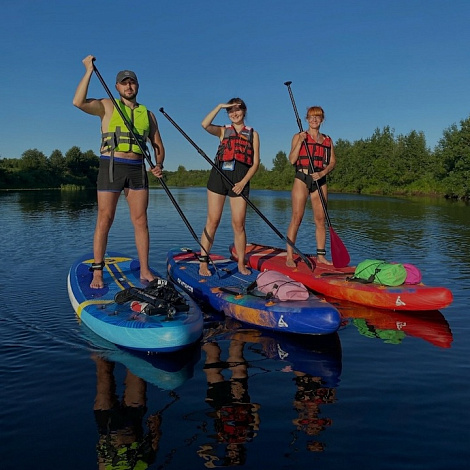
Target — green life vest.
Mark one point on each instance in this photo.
(118, 138)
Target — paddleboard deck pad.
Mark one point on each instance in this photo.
(138, 315)
(226, 291)
(335, 282)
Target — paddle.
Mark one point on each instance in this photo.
(339, 253)
(278, 233)
(146, 154)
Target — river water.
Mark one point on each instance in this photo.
(388, 391)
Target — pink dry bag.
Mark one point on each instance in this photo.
(413, 274)
(280, 286)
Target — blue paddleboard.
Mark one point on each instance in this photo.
(174, 326)
(226, 291)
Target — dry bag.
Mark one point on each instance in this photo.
(380, 272)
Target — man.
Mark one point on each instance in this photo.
(122, 165)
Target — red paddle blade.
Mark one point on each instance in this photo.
(339, 253)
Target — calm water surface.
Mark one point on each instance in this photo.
(388, 391)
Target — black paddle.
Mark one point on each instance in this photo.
(339, 253)
(146, 154)
(278, 233)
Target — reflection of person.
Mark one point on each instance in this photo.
(122, 443)
(323, 161)
(309, 395)
(122, 165)
(236, 419)
(237, 158)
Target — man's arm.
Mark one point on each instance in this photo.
(157, 145)
(88, 105)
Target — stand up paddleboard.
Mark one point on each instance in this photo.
(129, 313)
(335, 282)
(226, 291)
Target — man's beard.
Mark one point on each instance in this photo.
(130, 97)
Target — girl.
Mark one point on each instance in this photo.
(312, 166)
(238, 158)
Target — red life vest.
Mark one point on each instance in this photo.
(236, 145)
(320, 154)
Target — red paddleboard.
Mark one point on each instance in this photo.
(335, 282)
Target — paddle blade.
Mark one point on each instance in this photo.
(339, 253)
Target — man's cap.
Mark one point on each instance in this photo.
(123, 74)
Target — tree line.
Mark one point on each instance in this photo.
(381, 164)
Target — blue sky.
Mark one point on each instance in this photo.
(369, 63)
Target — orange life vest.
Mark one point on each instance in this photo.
(236, 145)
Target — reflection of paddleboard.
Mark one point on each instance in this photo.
(167, 371)
(172, 330)
(225, 291)
(392, 327)
(333, 282)
(318, 356)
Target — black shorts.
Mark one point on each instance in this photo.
(218, 184)
(309, 181)
(126, 174)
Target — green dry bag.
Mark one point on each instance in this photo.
(380, 272)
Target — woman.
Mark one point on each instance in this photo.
(310, 171)
(238, 159)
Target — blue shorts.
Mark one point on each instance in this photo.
(126, 174)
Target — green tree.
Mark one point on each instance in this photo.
(57, 163)
(81, 168)
(453, 153)
(280, 162)
(33, 159)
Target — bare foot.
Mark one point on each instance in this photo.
(146, 276)
(204, 270)
(322, 260)
(97, 281)
(244, 270)
(290, 263)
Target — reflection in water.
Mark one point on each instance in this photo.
(316, 366)
(166, 371)
(70, 202)
(123, 443)
(414, 394)
(392, 327)
(311, 393)
(236, 419)
(314, 362)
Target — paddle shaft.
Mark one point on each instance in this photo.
(146, 154)
(248, 201)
